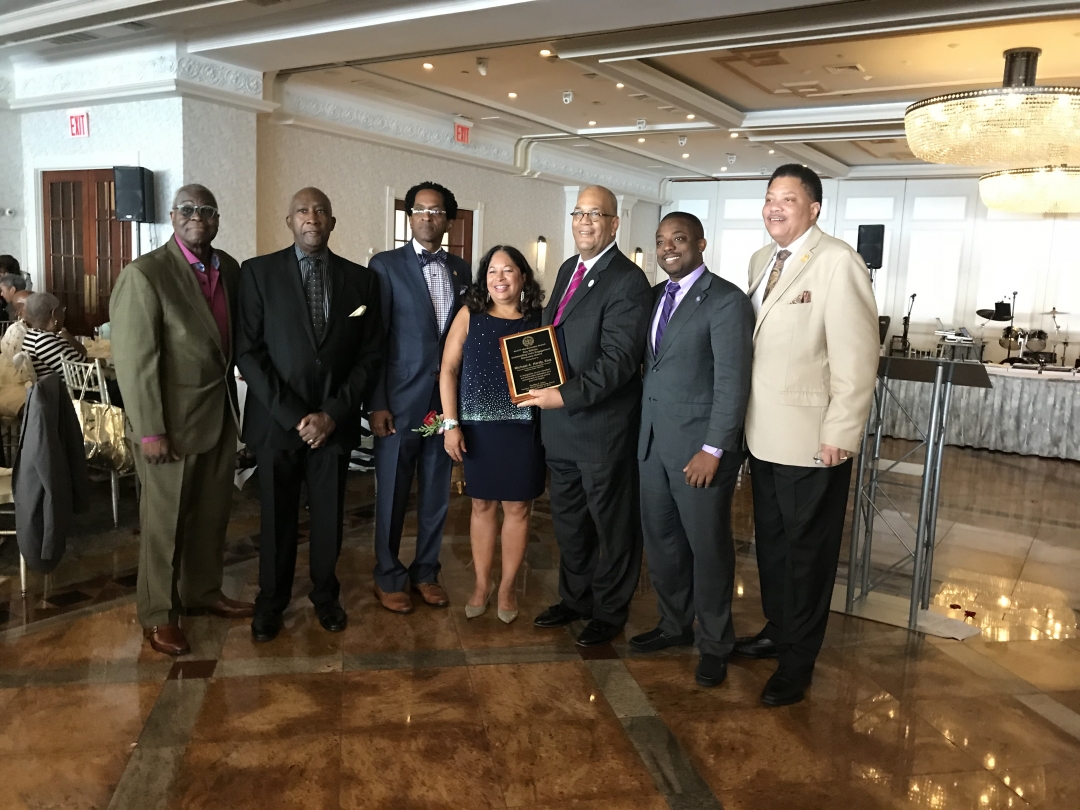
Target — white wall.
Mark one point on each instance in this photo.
(941, 243)
(11, 188)
(140, 133)
(356, 174)
(220, 153)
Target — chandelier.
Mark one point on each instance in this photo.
(1049, 190)
(1017, 124)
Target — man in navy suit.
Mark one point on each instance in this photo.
(308, 344)
(421, 287)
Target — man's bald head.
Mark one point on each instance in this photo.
(611, 203)
(311, 219)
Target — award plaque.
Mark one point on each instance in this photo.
(531, 360)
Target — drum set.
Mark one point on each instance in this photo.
(1030, 344)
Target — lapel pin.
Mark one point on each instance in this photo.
(592, 281)
(806, 257)
(697, 300)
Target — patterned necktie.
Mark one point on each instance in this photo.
(315, 292)
(665, 314)
(438, 283)
(774, 274)
(575, 282)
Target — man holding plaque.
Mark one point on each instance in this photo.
(600, 308)
(697, 382)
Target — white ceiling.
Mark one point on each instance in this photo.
(821, 83)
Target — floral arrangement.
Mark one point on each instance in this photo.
(431, 426)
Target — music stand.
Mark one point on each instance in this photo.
(944, 374)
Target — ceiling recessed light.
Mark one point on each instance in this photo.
(545, 52)
(734, 134)
(690, 117)
(723, 168)
(620, 85)
(772, 151)
(428, 66)
(686, 154)
(512, 95)
(867, 78)
(592, 123)
(641, 140)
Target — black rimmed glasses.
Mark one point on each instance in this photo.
(204, 211)
(594, 216)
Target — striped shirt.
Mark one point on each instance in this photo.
(46, 350)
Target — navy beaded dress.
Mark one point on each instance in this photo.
(504, 460)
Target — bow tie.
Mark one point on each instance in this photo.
(438, 257)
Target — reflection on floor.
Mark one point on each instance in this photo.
(433, 711)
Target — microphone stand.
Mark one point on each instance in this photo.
(1012, 320)
(905, 346)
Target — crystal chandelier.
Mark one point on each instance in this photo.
(1049, 190)
(1018, 124)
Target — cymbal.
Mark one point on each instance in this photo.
(989, 314)
(1054, 311)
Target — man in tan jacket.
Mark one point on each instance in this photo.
(172, 312)
(815, 366)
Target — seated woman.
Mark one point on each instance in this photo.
(11, 342)
(46, 341)
(504, 461)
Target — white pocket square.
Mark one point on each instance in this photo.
(360, 310)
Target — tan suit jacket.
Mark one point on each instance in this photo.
(815, 363)
(175, 376)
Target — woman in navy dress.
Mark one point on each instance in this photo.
(498, 442)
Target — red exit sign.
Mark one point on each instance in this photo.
(79, 123)
(462, 128)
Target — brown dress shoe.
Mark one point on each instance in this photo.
(396, 602)
(168, 639)
(432, 593)
(225, 608)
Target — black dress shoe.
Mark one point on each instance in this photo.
(657, 639)
(558, 616)
(784, 688)
(711, 670)
(754, 647)
(332, 617)
(265, 626)
(598, 632)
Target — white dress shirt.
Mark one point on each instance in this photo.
(759, 294)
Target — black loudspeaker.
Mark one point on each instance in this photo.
(871, 244)
(134, 193)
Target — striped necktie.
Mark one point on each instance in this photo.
(774, 274)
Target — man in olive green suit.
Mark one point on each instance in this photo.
(172, 314)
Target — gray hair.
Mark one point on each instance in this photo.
(12, 280)
(39, 307)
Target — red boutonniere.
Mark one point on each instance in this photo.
(432, 425)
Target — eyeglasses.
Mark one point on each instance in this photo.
(594, 216)
(431, 212)
(188, 211)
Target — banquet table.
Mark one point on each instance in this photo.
(1025, 412)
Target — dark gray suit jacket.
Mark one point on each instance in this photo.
(602, 337)
(408, 385)
(49, 480)
(697, 387)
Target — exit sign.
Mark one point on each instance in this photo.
(79, 123)
(462, 128)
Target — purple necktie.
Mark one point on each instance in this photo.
(575, 282)
(665, 314)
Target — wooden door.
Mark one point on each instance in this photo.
(458, 240)
(85, 245)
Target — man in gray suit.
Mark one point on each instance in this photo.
(696, 386)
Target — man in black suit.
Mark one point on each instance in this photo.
(309, 346)
(600, 308)
(697, 382)
(421, 287)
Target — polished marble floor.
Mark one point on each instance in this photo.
(433, 711)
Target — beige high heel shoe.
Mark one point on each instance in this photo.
(476, 612)
(507, 616)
